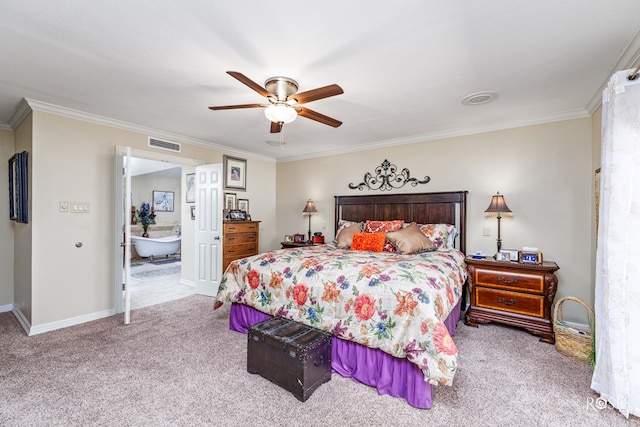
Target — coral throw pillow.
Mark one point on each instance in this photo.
(373, 242)
(383, 226)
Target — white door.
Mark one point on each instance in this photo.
(123, 242)
(208, 229)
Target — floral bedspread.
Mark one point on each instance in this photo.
(397, 303)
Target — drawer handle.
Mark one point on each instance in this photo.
(507, 281)
(505, 302)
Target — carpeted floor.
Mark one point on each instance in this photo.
(178, 364)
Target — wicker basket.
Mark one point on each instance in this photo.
(571, 341)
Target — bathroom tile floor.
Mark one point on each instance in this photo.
(154, 284)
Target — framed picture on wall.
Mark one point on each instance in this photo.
(18, 188)
(235, 173)
(190, 188)
(163, 201)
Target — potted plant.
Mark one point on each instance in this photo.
(146, 216)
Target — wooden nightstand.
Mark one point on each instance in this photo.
(286, 245)
(512, 293)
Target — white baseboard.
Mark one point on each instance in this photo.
(21, 319)
(187, 282)
(5, 308)
(59, 324)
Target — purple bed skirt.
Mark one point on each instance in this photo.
(373, 367)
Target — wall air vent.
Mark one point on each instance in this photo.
(164, 145)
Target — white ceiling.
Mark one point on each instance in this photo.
(404, 65)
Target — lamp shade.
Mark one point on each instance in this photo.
(498, 205)
(310, 208)
(280, 113)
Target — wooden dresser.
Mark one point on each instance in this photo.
(512, 293)
(240, 239)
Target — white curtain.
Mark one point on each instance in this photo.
(617, 292)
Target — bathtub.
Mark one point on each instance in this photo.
(146, 247)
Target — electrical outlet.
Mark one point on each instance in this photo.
(486, 231)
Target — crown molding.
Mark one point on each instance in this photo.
(558, 117)
(5, 126)
(26, 105)
(630, 58)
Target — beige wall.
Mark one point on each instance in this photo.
(73, 160)
(22, 233)
(142, 188)
(6, 226)
(544, 171)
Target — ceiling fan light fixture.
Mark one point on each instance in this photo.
(280, 113)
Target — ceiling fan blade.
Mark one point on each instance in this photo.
(234, 107)
(276, 127)
(247, 81)
(313, 115)
(315, 94)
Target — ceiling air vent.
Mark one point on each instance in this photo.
(164, 145)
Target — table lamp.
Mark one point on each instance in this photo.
(309, 209)
(498, 206)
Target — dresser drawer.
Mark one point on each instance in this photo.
(240, 227)
(245, 249)
(238, 238)
(511, 280)
(514, 302)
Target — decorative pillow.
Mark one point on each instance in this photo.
(410, 240)
(345, 235)
(383, 226)
(343, 223)
(388, 247)
(451, 240)
(438, 234)
(373, 242)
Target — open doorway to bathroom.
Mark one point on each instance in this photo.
(156, 214)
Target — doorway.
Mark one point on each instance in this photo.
(166, 277)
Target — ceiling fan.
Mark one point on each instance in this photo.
(284, 103)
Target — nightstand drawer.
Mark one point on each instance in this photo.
(513, 281)
(514, 302)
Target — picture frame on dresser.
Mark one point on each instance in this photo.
(503, 256)
(243, 205)
(299, 238)
(230, 201)
(288, 238)
(513, 254)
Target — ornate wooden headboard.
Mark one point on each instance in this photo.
(423, 208)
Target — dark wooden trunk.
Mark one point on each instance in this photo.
(294, 356)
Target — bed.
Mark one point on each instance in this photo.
(392, 314)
